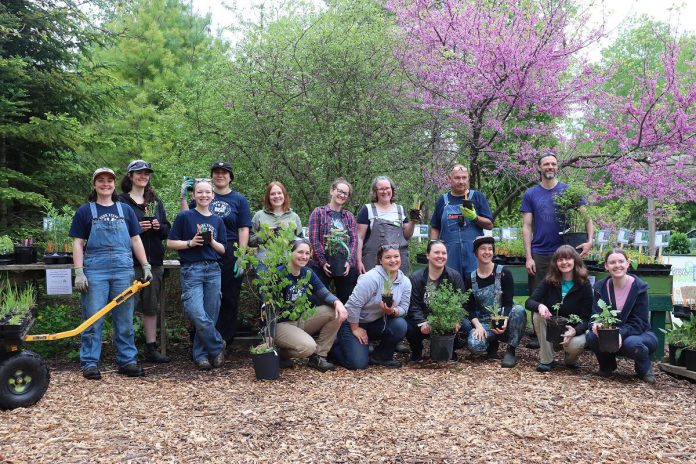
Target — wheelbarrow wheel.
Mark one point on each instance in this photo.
(24, 379)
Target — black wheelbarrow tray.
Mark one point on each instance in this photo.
(24, 376)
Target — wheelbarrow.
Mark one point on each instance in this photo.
(24, 376)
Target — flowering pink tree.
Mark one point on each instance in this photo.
(500, 70)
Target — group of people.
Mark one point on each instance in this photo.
(354, 326)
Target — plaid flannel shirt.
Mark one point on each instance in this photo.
(319, 225)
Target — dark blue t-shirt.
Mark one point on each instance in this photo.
(319, 294)
(546, 227)
(81, 225)
(185, 228)
(480, 204)
(233, 208)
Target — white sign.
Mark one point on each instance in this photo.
(603, 236)
(641, 237)
(495, 232)
(509, 233)
(662, 238)
(421, 231)
(623, 235)
(58, 281)
(683, 278)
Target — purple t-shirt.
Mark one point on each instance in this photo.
(546, 226)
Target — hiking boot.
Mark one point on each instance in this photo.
(542, 367)
(91, 373)
(219, 359)
(152, 355)
(131, 370)
(605, 374)
(573, 365)
(416, 357)
(286, 363)
(320, 363)
(402, 347)
(533, 343)
(649, 377)
(204, 365)
(492, 350)
(509, 360)
(388, 363)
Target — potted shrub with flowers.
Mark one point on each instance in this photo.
(446, 306)
(6, 250)
(608, 335)
(571, 208)
(271, 280)
(337, 250)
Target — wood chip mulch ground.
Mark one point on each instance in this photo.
(467, 411)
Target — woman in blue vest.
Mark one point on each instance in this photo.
(105, 235)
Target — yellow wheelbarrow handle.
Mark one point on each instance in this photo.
(127, 293)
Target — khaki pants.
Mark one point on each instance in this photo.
(572, 350)
(294, 338)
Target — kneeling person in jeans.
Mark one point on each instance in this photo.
(294, 338)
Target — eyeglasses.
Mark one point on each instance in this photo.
(390, 246)
(342, 193)
(385, 189)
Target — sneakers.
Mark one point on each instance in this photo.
(416, 357)
(152, 355)
(219, 359)
(509, 360)
(320, 363)
(402, 347)
(91, 373)
(533, 343)
(388, 363)
(605, 374)
(649, 377)
(204, 365)
(541, 367)
(131, 370)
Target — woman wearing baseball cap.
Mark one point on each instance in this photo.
(106, 234)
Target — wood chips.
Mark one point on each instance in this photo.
(467, 411)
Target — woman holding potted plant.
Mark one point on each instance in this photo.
(332, 230)
(200, 273)
(627, 295)
(294, 338)
(276, 213)
(374, 314)
(418, 311)
(106, 234)
(492, 289)
(381, 222)
(141, 197)
(566, 292)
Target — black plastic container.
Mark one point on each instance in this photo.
(337, 264)
(441, 347)
(25, 254)
(266, 365)
(608, 340)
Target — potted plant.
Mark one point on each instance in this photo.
(206, 232)
(337, 251)
(555, 326)
(26, 253)
(150, 212)
(446, 305)
(676, 339)
(16, 311)
(414, 213)
(271, 281)
(572, 214)
(387, 296)
(608, 335)
(58, 241)
(684, 339)
(498, 318)
(6, 250)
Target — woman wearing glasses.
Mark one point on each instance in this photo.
(333, 219)
(380, 222)
(141, 197)
(370, 318)
(436, 272)
(294, 338)
(200, 273)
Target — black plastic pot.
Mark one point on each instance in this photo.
(574, 239)
(14, 333)
(25, 254)
(688, 359)
(673, 355)
(337, 264)
(207, 237)
(388, 300)
(441, 347)
(52, 258)
(8, 258)
(608, 340)
(500, 259)
(555, 328)
(266, 365)
(414, 214)
(498, 323)
(683, 312)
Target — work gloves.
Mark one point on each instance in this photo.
(186, 185)
(147, 272)
(469, 214)
(80, 280)
(238, 270)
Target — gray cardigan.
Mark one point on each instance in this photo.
(363, 304)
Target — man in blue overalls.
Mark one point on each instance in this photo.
(460, 216)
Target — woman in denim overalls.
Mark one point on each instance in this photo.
(104, 269)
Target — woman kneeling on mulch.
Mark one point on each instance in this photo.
(628, 295)
(566, 291)
(294, 338)
(369, 318)
(492, 288)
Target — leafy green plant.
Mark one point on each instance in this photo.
(272, 279)
(574, 319)
(59, 318)
(58, 228)
(608, 317)
(337, 243)
(387, 287)
(16, 304)
(571, 208)
(6, 245)
(679, 244)
(446, 305)
(556, 308)
(151, 209)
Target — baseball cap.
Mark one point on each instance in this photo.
(139, 165)
(102, 171)
(478, 241)
(222, 165)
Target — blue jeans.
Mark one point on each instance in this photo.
(107, 281)
(351, 354)
(512, 335)
(635, 347)
(200, 295)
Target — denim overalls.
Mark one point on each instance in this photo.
(108, 266)
(459, 239)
